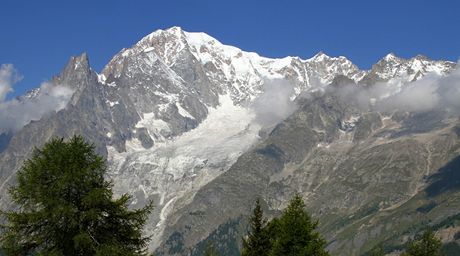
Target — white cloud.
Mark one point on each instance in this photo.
(430, 92)
(16, 113)
(8, 77)
(274, 104)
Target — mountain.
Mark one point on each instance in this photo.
(202, 129)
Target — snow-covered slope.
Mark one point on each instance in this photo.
(392, 66)
(170, 172)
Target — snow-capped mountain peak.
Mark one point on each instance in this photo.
(391, 57)
(320, 56)
(392, 66)
(245, 72)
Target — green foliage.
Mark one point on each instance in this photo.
(210, 250)
(292, 234)
(295, 234)
(227, 236)
(426, 245)
(377, 251)
(65, 206)
(257, 242)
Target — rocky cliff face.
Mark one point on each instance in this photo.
(197, 127)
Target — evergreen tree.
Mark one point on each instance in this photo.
(296, 234)
(210, 250)
(377, 251)
(426, 245)
(257, 242)
(65, 207)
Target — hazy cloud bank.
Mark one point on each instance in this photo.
(8, 77)
(428, 93)
(16, 113)
(275, 103)
(432, 92)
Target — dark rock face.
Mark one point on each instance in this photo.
(367, 123)
(5, 140)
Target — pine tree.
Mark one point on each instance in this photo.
(426, 245)
(210, 250)
(257, 242)
(296, 234)
(65, 206)
(377, 251)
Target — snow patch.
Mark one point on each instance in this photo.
(113, 103)
(349, 124)
(149, 49)
(101, 78)
(183, 112)
(155, 127)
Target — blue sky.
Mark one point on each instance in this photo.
(38, 37)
